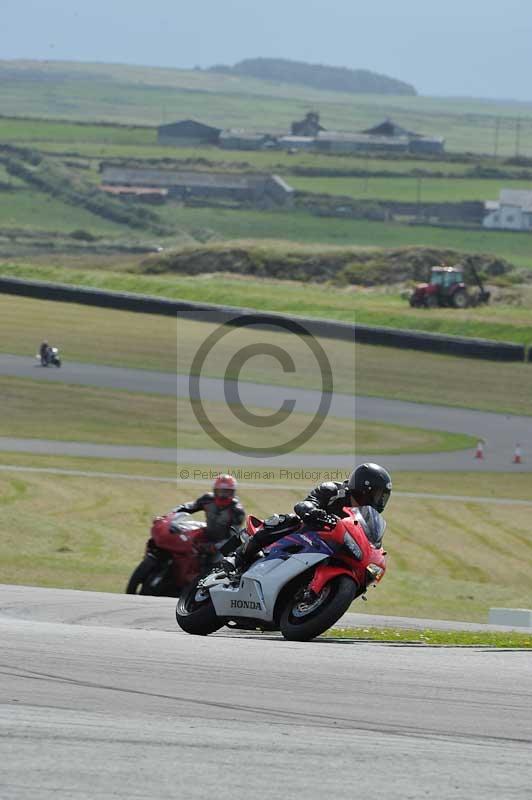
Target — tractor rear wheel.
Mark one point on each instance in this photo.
(460, 299)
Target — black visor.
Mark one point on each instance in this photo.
(380, 497)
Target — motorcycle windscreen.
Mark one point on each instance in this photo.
(372, 523)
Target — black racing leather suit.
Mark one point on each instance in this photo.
(331, 496)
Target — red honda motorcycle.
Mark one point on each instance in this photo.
(301, 584)
(173, 556)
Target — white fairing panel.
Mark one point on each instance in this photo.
(259, 587)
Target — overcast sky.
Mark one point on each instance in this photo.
(444, 47)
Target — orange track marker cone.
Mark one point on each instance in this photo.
(517, 459)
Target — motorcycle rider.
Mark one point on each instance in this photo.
(44, 352)
(368, 485)
(224, 513)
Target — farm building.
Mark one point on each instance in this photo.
(258, 189)
(292, 143)
(512, 211)
(187, 132)
(340, 142)
(310, 126)
(247, 140)
(417, 143)
(147, 194)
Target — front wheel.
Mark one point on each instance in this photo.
(195, 612)
(305, 618)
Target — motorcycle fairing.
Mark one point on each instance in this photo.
(302, 542)
(260, 586)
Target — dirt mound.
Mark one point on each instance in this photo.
(366, 267)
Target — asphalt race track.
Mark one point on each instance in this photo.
(500, 432)
(102, 697)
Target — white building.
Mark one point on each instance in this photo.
(512, 212)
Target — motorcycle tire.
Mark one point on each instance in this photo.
(58, 363)
(140, 575)
(300, 624)
(194, 616)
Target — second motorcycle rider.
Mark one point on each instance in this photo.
(224, 513)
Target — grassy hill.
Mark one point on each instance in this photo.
(318, 76)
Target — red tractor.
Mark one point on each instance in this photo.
(447, 288)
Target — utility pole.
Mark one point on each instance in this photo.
(517, 135)
(366, 176)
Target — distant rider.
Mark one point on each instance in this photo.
(44, 352)
(224, 513)
(368, 485)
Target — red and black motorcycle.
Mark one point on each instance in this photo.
(174, 556)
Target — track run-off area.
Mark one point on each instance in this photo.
(500, 432)
(102, 696)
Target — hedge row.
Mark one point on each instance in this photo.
(56, 181)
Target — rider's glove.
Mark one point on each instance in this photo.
(319, 520)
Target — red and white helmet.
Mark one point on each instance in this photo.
(224, 490)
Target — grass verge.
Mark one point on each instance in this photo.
(434, 638)
(62, 412)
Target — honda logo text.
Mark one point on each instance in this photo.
(246, 604)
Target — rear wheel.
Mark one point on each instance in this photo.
(305, 617)
(195, 612)
(460, 299)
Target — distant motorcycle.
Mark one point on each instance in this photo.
(301, 585)
(49, 357)
(173, 556)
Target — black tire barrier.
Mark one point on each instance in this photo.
(440, 343)
(329, 329)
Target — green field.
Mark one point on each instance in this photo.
(408, 190)
(150, 96)
(302, 227)
(37, 211)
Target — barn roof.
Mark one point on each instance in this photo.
(390, 128)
